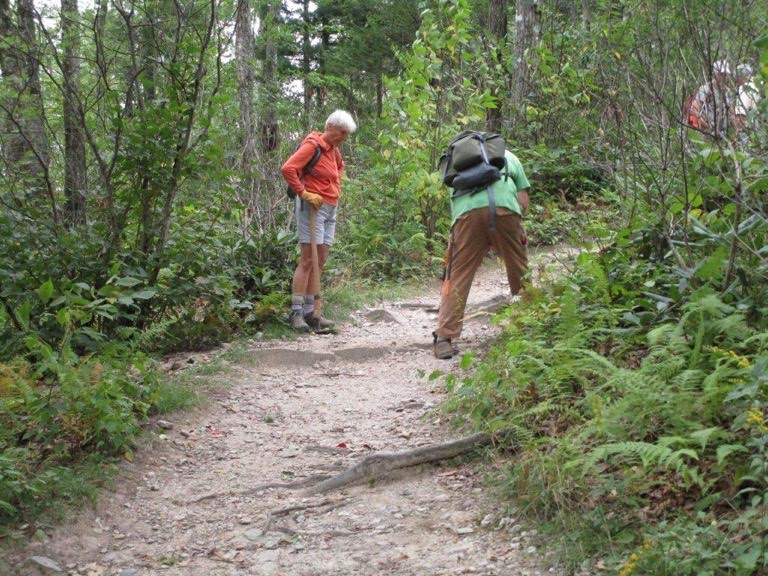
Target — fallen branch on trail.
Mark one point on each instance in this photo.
(378, 465)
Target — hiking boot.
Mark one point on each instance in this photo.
(296, 319)
(318, 324)
(443, 348)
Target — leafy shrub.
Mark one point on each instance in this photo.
(381, 237)
(628, 429)
(60, 408)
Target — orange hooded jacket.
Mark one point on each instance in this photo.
(325, 178)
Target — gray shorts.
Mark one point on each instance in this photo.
(326, 223)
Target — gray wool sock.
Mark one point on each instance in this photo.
(309, 304)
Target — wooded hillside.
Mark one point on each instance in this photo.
(143, 212)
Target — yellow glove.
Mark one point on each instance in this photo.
(315, 199)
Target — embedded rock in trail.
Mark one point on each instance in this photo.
(220, 491)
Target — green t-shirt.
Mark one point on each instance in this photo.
(505, 191)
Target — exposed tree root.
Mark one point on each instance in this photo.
(378, 465)
(327, 504)
(252, 490)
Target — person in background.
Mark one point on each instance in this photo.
(747, 96)
(709, 108)
(320, 189)
(479, 224)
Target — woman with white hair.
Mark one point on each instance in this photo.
(710, 108)
(317, 189)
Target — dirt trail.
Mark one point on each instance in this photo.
(207, 498)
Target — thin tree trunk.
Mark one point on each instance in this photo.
(12, 144)
(325, 45)
(26, 145)
(586, 14)
(270, 88)
(270, 189)
(306, 53)
(497, 26)
(34, 126)
(379, 93)
(527, 34)
(146, 93)
(245, 90)
(99, 31)
(75, 186)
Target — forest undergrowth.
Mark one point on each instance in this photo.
(142, 213)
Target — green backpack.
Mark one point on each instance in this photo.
(472, 160)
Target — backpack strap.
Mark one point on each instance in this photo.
(315, 157)
(491, 208)
(311, 166)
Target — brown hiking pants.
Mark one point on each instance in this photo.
(471, 239)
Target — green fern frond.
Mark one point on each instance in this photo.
(704, 436)
(649, 455)
(660, 335)
(689, 379)
(570, 326)
(734, 326)
(709, 306)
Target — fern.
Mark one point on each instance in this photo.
(570, 327)
(689, 380)
(155, 332)
(650, 456)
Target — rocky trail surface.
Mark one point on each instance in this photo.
(220, 491)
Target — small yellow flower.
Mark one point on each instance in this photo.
(755, 419)
(629, 566)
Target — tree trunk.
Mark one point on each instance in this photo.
(33, 123)
(270, 88)
(26, 145)
(379, 94)
(146, 92)
(586, 14)
(245, 90)
(527, 34)
(306, 52)
(75, 186)
(270, 186)
(325, 45)
(497, 26)
(99, 29)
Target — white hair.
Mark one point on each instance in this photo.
(744, 71)
(721, 66)
(341, 119)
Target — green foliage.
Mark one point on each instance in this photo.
(58, 409)
(432, 100)
(618, 421)
(381, 238)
